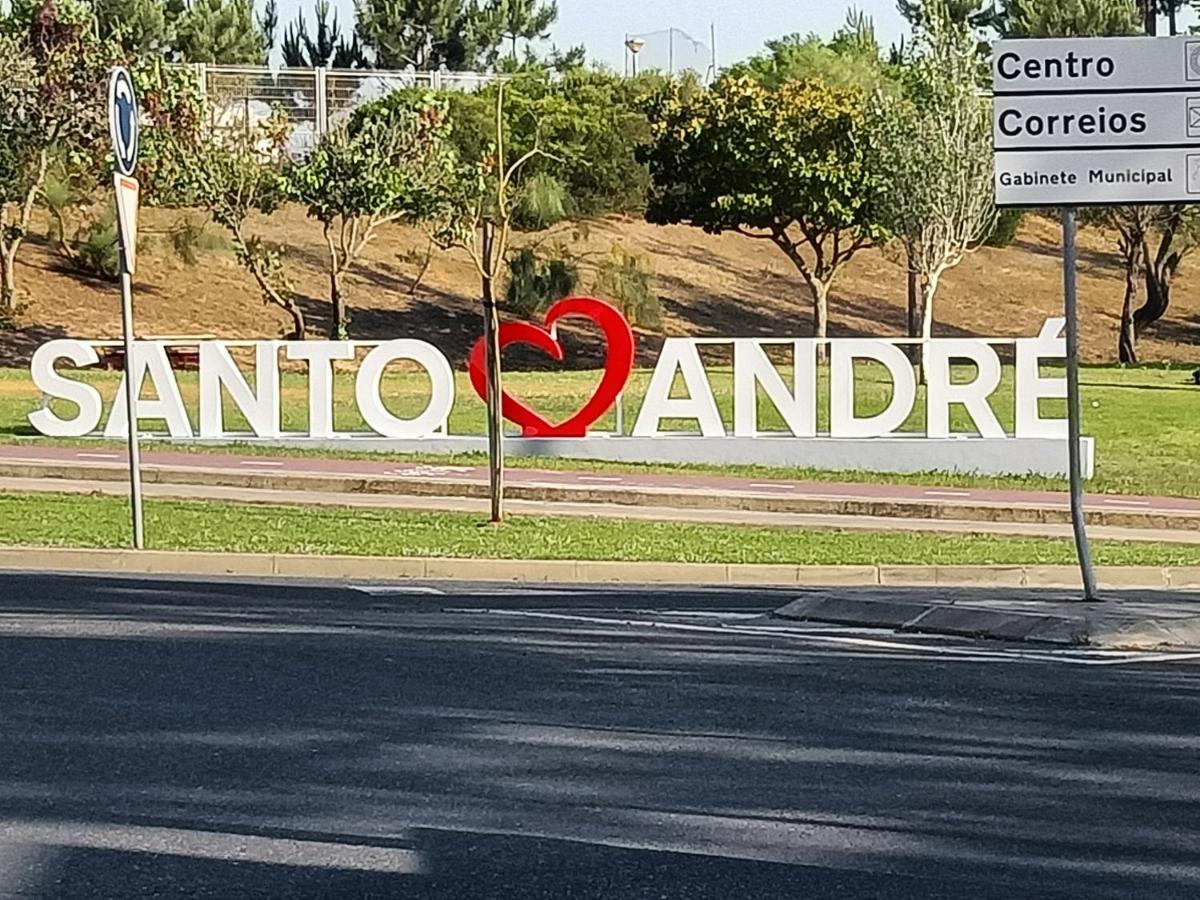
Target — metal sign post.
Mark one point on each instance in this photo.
(1074, 408)
(123, 128)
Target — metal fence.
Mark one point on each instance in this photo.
(240, 98)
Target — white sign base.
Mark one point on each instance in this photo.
(895, 454)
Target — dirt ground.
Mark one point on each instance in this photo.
(726, 285)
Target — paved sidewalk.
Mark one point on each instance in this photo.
(680, 491)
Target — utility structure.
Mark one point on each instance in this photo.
(676, 40)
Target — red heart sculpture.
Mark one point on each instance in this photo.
(618, 364)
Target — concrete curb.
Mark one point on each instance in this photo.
(1094, 626)
(158, 562)
(621, 496)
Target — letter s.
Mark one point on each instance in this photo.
(1137, 122)
(53, 385)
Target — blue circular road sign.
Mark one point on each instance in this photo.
(123, 119)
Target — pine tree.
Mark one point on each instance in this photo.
(976, 13)
(1080, 18)
(427, 34)
(141, 27)
(526, 20)
(221, 31)
(327, 48)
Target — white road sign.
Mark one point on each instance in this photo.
(1042, 65)
(127, 192)
(1096, 121)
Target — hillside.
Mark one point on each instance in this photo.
(727, 285)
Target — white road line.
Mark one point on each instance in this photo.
(1116, 502)
(605, 478)
(1067, 657)
(773, 485)
(385, 589)
(947, 493)
(82, 455)
(263, 463)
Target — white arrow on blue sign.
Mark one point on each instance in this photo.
(123, 120)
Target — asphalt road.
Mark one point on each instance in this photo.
(292, 741)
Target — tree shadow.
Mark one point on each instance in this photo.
(17, 347)
(302, 740)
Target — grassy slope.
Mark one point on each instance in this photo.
(1143, 419)
(98, 521)
(725, 285)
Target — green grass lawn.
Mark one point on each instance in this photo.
(102, 521)
(1144, 420)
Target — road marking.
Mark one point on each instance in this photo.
(385, 589)
(263, 463)
(773, 485)
(608, 478)
(961, 654)
(98, 455)
(947, 493)
(1115, 502)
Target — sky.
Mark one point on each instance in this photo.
(741, 25)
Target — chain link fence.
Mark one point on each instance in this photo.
(241, 98)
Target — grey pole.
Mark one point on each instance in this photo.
(131, 393)
(1074, 413)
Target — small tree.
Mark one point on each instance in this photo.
(478, 209)
(51, 100)
(935, 151)
(390, 163)
(232, 179)
(791, 166)
(222, 31)
(526, 20)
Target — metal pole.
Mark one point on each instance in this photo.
(626, 54)
(1074, 414)
(671, 51)
(131, 395)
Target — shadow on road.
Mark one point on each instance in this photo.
(230, 741)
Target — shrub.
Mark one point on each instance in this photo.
(1004, 232)
(534, 284)
(625, 278)
(193, 236)
(95, 247)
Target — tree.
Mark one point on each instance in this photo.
(476, 216)
(789, 165)
(141, 27)
(977, 14)
(52, 99)
(390, 163)
(590, 120)
(852, 58)
(327, 48)
(526, 20)
(1079, 18)
(936, 155)
(232, 176)
(426, 34)
(222, 31)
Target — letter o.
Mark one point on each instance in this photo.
(441, 398)
(1105, 66)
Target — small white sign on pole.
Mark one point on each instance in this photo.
(1096, 121)
(127, 193)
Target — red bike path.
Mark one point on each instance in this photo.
(698, 483)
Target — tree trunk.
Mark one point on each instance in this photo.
(298, 325)
(8, 286)
(926, 289)
(1150, 17)
(820, 292)
(1127, 337)
(913, 296)
(337, 324)
(491, 332)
